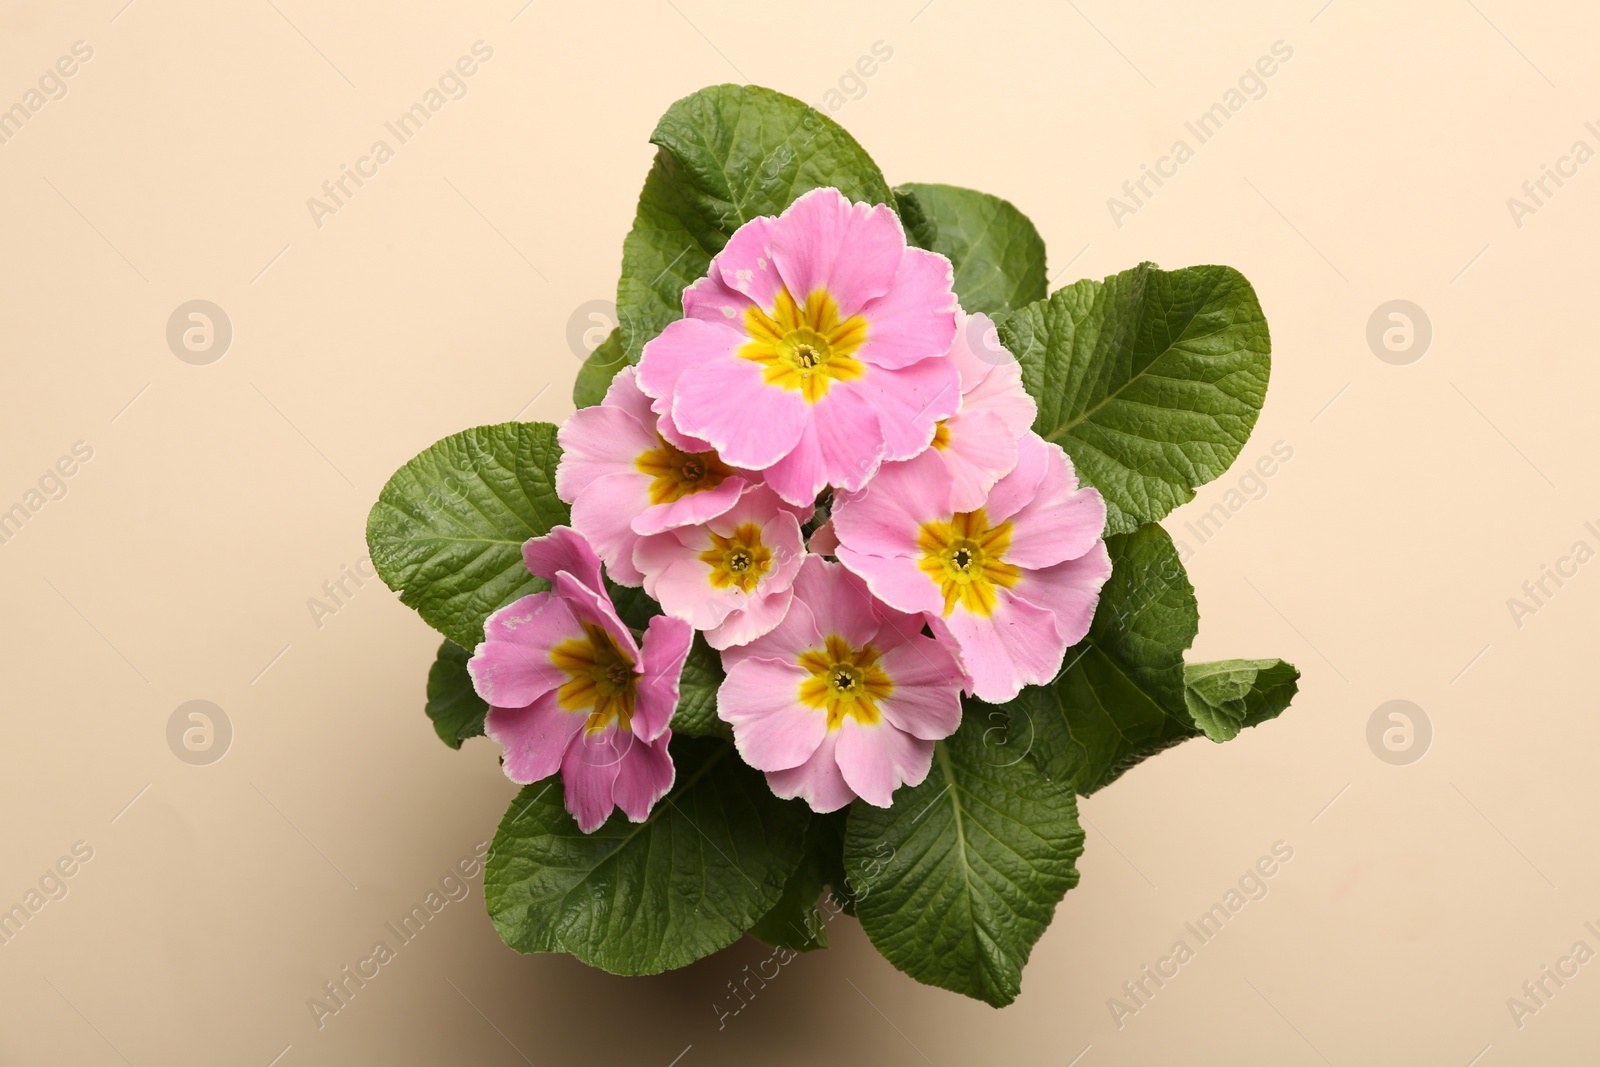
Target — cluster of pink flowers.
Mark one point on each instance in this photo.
(819, 355)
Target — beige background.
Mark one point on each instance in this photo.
(219, 498)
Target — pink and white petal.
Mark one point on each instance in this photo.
(562, 549)
(685, 591)
(511, 666)
(926, 699)
(760, 699)
(1017, 645)
(817, 781)
(644, 775)
(1061, 522)
(534, 739)
(745, 264)
(823, 542)
(726, 401)
(589, 774)
(596, 607)
(876, 760)
(895, 580)
(823, 241)
(885, 517)
(982, 450)
(601, 514)
(1011, 493)
(684, 344)
(849, 434)
(799, 476)
(910, 402)
(624, 393)
(916, 317)
(1070, 591)
(712, 300)
(1002, 392)
(665, 647)
(840, 602)
(797, 633)
(974, 333)
(691, 510)
(759, 615)
(599, 441)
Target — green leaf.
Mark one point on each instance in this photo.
(798, 921)
(997, 252)
(447, 530)
(697, 694)
(634, 606)
(728, 154)
(1151, 380)
(454, 706)
(1226, 696)
(638, 898)
(920, 229)
(594, 376)
(1120, 696)
(958, 880)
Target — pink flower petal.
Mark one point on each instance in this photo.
(895, 580)
(589, 772)
(991, 381)
(599, 441)
(596, 607)
(800, 475)
(1019, 486)
(624, 393)
(823, 540)
(562, 549)
(690, 510)
(759, 615)
(535, 738)
(683, 584)
(726, 401)
(746, 265)
(644, 775)
(916, 316)
(823, 241)
(665, 647)
(710, 299)
(1017, 645)
(817, 781)
(1061, 522)
(884, 518)
(684, 344)
(910, 402)
(876, 760)
(839, 602)
(1070, 591)
(602, 512)
(771, 728)
(926, 700)
(511, 667)
(981, 451)
(794, 635)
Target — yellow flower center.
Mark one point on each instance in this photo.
(805, 347)
(676, 474)
(941, 435)
(600, 679)
(965, 557)
(739, 560)
(844, 681)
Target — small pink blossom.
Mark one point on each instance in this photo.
(844, 698)
(731, 575)
(813, 350)
(626, 481)
(569, 688)
(1013, 583)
